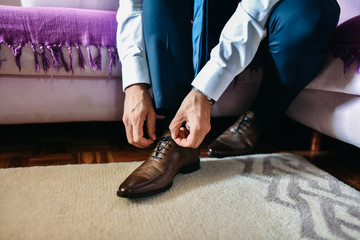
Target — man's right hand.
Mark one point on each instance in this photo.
(138, 109)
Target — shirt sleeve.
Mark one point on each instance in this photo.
(238, 43)
(130, 43)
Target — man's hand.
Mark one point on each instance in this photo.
(192, 121)
(138, 109)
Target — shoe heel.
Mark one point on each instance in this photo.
(190, 168)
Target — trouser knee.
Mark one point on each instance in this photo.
(299, 35)
(300, 32)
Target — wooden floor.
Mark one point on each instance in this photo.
(102, 142)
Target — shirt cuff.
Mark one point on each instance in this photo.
(212, 80)
(134, 70)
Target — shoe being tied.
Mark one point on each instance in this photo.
(156, 174)
(240, 138)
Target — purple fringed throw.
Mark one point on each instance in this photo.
(48, 30)
(346, 43)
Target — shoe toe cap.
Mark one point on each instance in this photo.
(132, 185)
(217, 148)
(125, 190)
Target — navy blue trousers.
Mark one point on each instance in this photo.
(292, 54)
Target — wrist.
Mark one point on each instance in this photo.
(137, 87)
(211, 101)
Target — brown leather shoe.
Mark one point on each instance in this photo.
(156, 174)
(238, 139)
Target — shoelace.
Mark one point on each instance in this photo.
(244, 124)
(163, 142)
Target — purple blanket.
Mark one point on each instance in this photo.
(48, 30)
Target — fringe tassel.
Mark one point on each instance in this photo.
(45, 60)
(98, 59)
(17, 51)
(113, 57)
(111, 61)
(52, 56)
(62, 59)
(1, 60)
(82, 62)
(36, 59)
(349, 57)
(91, 60)
(54, 52)
(71, 59)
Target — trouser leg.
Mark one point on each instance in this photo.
(167, 33)
(299, 34)
(210, 17)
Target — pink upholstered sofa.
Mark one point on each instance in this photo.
(329, 104)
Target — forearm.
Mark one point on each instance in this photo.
(237, 46)
(130, 43)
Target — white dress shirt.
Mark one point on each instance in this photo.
(239, 41)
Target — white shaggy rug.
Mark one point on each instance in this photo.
(277, 196)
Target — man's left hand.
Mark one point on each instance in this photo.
(192, 121)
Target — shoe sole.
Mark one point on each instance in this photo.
(227, 154)
(184, 170)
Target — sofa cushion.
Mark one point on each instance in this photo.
(341, 72)
(349, 9)
(334, 114)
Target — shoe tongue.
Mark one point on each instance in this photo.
(161, 146)
(167, 133)
(250, 114)
(165, 138)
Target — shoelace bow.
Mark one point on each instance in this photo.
(163, 142)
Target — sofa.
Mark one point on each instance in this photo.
(44, 81)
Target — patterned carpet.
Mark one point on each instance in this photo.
(273, 196)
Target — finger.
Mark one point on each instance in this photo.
(185, 142)
(183, 132)
(151, 125)
(138, 135)
(187, 125)
(198, 133)
(175, 127)
(200, 137)
(128, 130)
(142, 143)
(192, 139)
(130, 137)
(189, 141)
